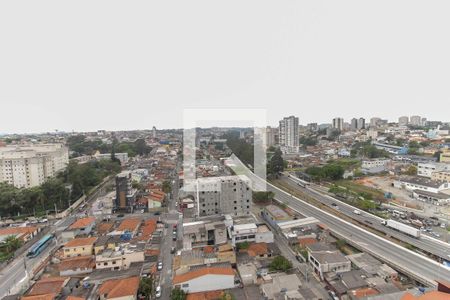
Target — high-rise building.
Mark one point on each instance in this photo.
(125, 194)
(354, 124)
(26, 166)
(415, 120)
(403, 121)
(289, 132)
(271, 136)
(338, 123)
(361, 123)
(313, 127)
(375, 122)
(223, 195)
(154, 132)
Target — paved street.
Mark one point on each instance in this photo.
(413, 264)
(430, 245)
(172, 217)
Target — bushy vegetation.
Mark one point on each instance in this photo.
(280, 263)
(8, 247)
(59, 192)
(240, 148)
(177, 294)
(263, 197)
(331, 171)
(81, 146)
(367, 150)
(276, 163)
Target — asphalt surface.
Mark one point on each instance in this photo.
(172, 218)
(415, 265)
(425, 243)
(17, 273)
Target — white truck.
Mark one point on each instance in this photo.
(414, 232)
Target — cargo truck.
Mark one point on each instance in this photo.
(414, 232)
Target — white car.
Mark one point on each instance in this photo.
(160, 266)
(356, 212)
(158, 292)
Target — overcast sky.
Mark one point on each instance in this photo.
(88, 65)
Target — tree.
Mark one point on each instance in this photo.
(146, 287)
(177, 294)
(167, 186)
(276, 163)
(280, 263)
(340, 244)
(263, 197)
(141, 147)
(412, 170)
(11, 244)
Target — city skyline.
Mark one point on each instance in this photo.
(313, 60)
(221, 125)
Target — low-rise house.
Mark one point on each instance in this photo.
(206, 279)
(81, 226)
(79, 247)
(419, 183)
(427, 169)
(282, 285)
(324, 258)
(250, 232)
(259, 250)
(76, 265)
(274, 214)
(106, 242)
(156, 198)
(49, 285)
(119, 289)
(129, 225)
(248, 273)
(22, 233)
(441, 176)
(121, 258)
(202, 233)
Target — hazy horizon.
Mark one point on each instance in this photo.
(122, 66)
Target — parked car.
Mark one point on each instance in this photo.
(158, 292)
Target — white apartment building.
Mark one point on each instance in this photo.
(403, 121)
(374, 163)
(26, 166)
(289, 132)
(338, 123)
(223, 195)
(271, 136)
(427, 169)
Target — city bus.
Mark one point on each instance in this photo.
(40, 245)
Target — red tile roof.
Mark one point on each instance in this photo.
(39, 297)
(119, 287)
(433, 295)
(202, 272)
(148, 229)
(212, 295)
(80, 242)
(49, 285)
(129, 224)
(82, 223)
(82, 262)
(257, 249)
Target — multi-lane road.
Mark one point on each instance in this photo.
(413, 264)
(17, 274)
(430, 245)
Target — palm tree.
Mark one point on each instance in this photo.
(12, 243)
